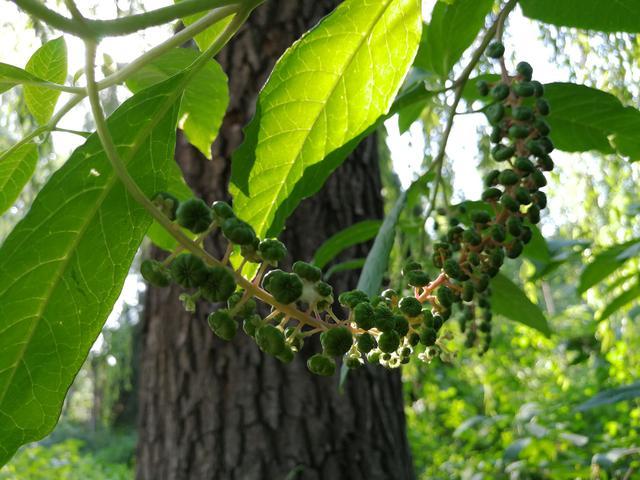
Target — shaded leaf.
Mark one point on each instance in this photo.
(356, 233)
(205, 98)
(508, 300)
(603, 265)
(618, 16)
(16, 168)
(453, 27)
(49, 63)
(322, 97)
(613, 395)
(63, 266)
(620, 301)
(375, 266)
(344, 266)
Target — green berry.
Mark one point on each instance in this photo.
(538, 88)
(533, 214)
(510, 203)
(222, 324)
(526, 235)
(270, 339)
(286, 355)
(410, 266)
(364, 315)
(542, 127)
(508, 177)
(401, 325)
(167, 204)
(155, 273)
(238, 232)
(272, 251)
(496, 135)
(497, 233)
(471, 237)
(515, 248)
(389, 341)
(410, 306)
(323, 289)
(250, 251)
(524, 165)
(194, 215)
(500, 91)
(536, 148)
(494, 113)
(491, 178)
(390, 295)
(353, 362)
(445, 296)
(514, 226)
(481, 283)
(543, 107)
(336, 341)
(502, 152)
(491, 194)
(525, 70)
(540, 199)
(321, 365)
(251, 324)
(483, 88)
(188, 270)
(222, 211)
(467, 291)
(495, 49)
(307, 271)
(417, 279)
(285, 287)
(218, 285)
(523, 89)
(539, 179)
(522, 113)
(519, 131)
(523, 196)
(546, 163)
(366, 342)
(384, 319)
(428, 336)
(480, 216)
(452, 268)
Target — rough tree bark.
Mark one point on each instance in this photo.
(216, 410)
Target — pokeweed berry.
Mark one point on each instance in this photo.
(481, 283)
(540, 199)
(323, 289)
(491, 194)
(510, 203)
(523, 196)
(539, 179)
(467, 291)
(251, 324)
(390, 295)
(428, 336)
(410, 266)
(519, 131)
(167, 204)
(188, 270)
(495, 49)
(364, 316)
(538, 88)
(526, 235)
(524, 165)
(522, 113)
(218, 284)
(365, 342)
(238, 232)
(483, 88)
(270, 339)
(533, 214)
(389, 342)
(496, 134)
(502, 152)
(508, 177)
(248, 307)
(514, 249)
(285, 287)
(352, 298)
(491, 178)
(525, 70)
(222, 324)
(514, 226)
(452, 268)
(497, 233)
(384, 319)
(417, 278)
(286, 354)
(194, 215)
(438, 321)
(542, 127)
(222, 211)
(542, 106)
(410, 306)
(480, 216)
(494, 113)
(155, 273)
(307, 271)
(272, 251)
(500, 91)
(336, 341)
(353, 362)
(523, 89)
(401, 325)
(321, 365)
(445, 296)
(546, 163)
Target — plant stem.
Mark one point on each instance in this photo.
(94, 29)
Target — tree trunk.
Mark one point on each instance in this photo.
(216, 410)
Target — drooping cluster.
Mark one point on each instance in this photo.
(386, 329)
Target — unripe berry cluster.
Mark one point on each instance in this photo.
(388, 328)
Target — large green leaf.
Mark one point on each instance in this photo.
(453, 27)
(205, 38)
(16, 168)
(323, 95)
(584, 118)
(205, 98)
(377, 260)
(508, 300)
(49, 63)
(64, 264)
(604, 264)
(613, 395)
(620, 301)
(616, 16)
(356, 233)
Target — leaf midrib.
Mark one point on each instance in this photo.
(280, 187)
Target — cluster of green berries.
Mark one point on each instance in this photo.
(472, 252)
(386, 329)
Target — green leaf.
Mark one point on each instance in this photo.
(508, 300)
(537, 249)
(205, 38)
(16, 168)
(584, 119)
(356, 233)
(11, 76)
(344, 266)
(613, 395)
(63, 266)
(453, 27)
(603, 265)
(620, 301)
(205, 99)
(323, 96)
(49, 63)
(375, 266)
(618, 16)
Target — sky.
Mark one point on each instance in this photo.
(407, 150)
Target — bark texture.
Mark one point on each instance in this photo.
(216, 410)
